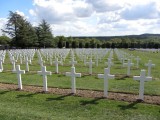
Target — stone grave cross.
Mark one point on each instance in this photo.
(56, 62)
(142, 78)
(137, 59)
(27, 65)
(129, 64)
(150, 65)
(44, 73)
(73, 76)
(19, 72)
(13, 61)
(109, 64)
(72, 62)
(90, 63)
(106, 76)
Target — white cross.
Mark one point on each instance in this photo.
(109, 64)
(90, 63)
(129, 64)
(73, 76)
(21, 57)
(40, 61)
(56, 62)
(106, 76)
(150, 65)
(44, 73)
(142, 78)
(1, 64)
(13, 63)
(72, 62)
(19, 72)
(27, 66)
(137, 59)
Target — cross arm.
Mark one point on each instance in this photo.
(78, 74)
(68, 74)
(148, 78)
(136, 77)
(100, 75)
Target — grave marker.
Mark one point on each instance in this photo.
(44, 73)
(129, 64)
(142, 78)
(90, 63)
(137, 59)
(150, 65)
(19, 72)
(106, 76)
(72, 62)
(56, 62)
(73, 76)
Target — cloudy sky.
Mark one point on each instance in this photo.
(88, 17)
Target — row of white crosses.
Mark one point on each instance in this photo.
(95, 54)
(26, 55)
(106, 76)
(129, 64)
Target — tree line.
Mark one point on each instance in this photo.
(22, 34)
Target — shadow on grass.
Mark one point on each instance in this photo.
(4, 92)
(121, 77)
(94, 101)
(59, 98)
(61, 75)
(27, 95)
(129, 106)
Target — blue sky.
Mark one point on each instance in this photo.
(14, 5)
(88, 17)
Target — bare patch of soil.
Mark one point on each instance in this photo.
(85, 93)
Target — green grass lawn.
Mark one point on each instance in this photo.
(18, 105)
(119, 84)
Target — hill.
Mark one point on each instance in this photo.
(142, 36)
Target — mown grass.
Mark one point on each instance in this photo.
(18, 105)
(121, 83)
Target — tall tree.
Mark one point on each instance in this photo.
(22, 33)
(13, 24)
(45, 35)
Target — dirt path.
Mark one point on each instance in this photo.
(85, 93)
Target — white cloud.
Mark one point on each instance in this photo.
(98, 17)
(147, 11)
(32, 12)
(3, 22)
(105, 5)
(22, 14)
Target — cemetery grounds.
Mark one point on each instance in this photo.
(88, 102)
